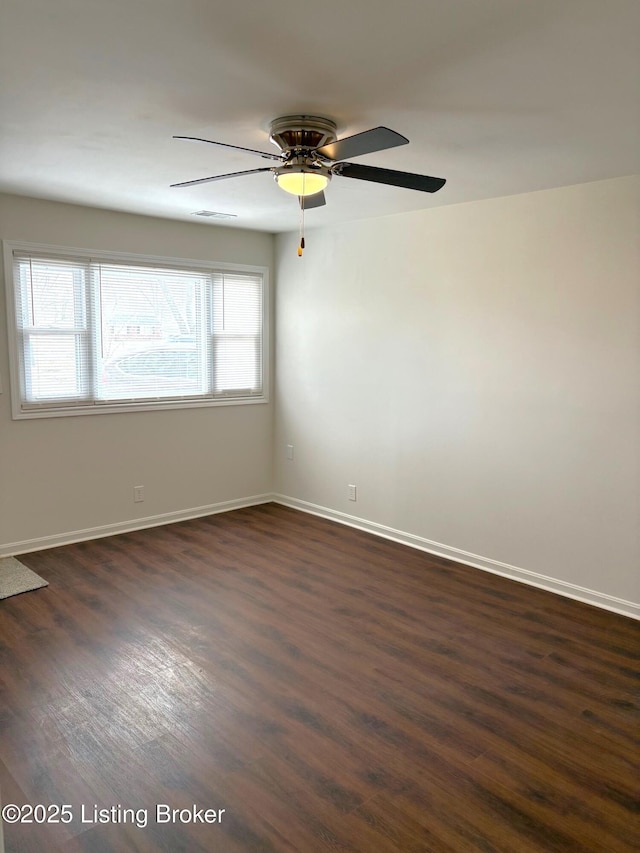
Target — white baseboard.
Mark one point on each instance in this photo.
(569, 590)
(13, 549)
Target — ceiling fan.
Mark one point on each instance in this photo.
(310, 155)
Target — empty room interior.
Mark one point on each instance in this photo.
(319, 489)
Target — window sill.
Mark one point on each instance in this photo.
(138, 406)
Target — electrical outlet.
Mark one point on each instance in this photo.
(290, 451)
(352, 492)
(138, 494)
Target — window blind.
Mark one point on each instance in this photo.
(95, 332)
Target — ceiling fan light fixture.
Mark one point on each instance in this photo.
(301, 182)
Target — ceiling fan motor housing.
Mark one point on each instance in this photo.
(298, 137)
(298, 134)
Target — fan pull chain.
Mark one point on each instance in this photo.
(301, 246)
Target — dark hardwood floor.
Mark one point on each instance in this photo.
(331, 691)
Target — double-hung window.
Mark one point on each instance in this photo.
(92, 333)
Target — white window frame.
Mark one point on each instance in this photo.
(50, 410)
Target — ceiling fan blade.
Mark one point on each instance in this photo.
(408, 180)
(376, 139)
(219, 177)
(311, 201)
(236, 147)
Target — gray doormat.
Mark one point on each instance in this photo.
(16, 578)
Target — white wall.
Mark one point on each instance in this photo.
(475, 371)
(60, 476)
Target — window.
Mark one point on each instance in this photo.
(96, 333)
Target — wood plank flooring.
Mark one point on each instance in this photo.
(331, 691)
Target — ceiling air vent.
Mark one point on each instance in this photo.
(212, 214)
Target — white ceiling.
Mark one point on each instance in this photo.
(497, 96)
